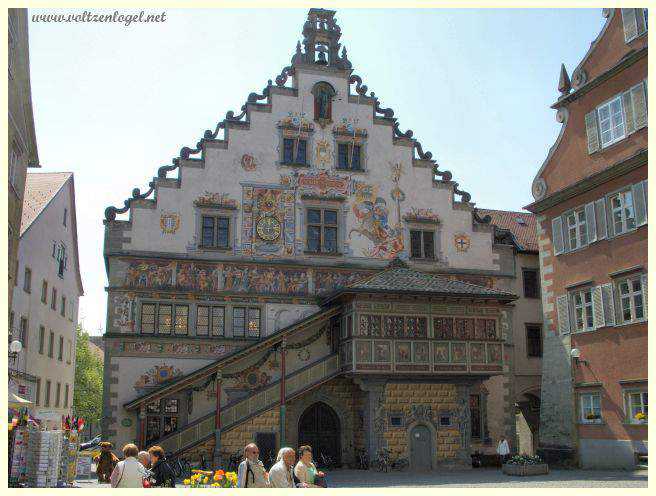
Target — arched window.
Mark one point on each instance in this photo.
(323, 97)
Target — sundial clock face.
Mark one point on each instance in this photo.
(268, 228)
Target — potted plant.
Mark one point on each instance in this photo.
(592, 417)
(525, 465)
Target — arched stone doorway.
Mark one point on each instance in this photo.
(421, 448)
(319, 427)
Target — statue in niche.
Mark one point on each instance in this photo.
(323, 95)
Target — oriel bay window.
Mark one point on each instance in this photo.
(246, 322)
(422, 244)
(321, 230)
(164, 318)
(210, 320)
(215, 232)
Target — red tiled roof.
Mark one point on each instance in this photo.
(523, 225)
(40, 189)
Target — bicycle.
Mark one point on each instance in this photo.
(180, 466)
(326, 461)
(363, 459)
(383, 460)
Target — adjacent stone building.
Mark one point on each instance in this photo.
(307, 274)
(45, 303)
(591, 198)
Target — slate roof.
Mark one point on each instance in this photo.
(399, 278)
(40, 189)
(523, 226)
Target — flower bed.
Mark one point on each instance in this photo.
(522, 465)
(207, 478)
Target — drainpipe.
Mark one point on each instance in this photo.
(142, 427)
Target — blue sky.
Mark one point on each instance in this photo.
(113, 103)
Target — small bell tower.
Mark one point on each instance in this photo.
(321, 41)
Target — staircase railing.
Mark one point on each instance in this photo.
(241, 410)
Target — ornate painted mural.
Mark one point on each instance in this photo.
(215, 200)
(155, 376)
(171, 348)
(326, 281)
(267, 221)
(123, 317)
(258, 279)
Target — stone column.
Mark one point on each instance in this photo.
(374, 415)
(216, 455)
(463, 418)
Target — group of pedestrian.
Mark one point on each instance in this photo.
(142, 469)
(287, 472)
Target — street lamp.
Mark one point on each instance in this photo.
(15, 347)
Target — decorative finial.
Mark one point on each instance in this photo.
(564, 84)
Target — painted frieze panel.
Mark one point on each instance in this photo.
(326, 281)
(172, 348)
(441, 352)
(156, 376)
(211, 199)
(258, 279)
(403, 352)
(421, 351)
(382, 351)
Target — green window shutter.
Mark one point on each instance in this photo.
(609, 304)
(598, 319)
(639, 101)
(627, 105)
(630, 24)
(640, 21)
(590, 223)
(592, 130)
(600, 215)
(638, 191)
(562, 308)
(557, 235)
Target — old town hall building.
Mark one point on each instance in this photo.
(307, 274)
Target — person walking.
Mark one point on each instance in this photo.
(503, 450)
(306, 471)
(281, 474)
(162, 473)
(144, 459)
(251, 471)
(128, 472)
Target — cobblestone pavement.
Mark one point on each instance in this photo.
(475, 478)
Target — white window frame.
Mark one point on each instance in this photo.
(613, 125)
(642, 406)
(630, 297)
(587, 406)
(587, 314)
(577, 222)
(622, 195)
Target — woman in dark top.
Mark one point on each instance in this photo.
(162, 474)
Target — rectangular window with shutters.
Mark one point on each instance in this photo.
(38, 391)
(631, 299)
(44, 292)
(576, 227)
(422, 244)
(636, 406)
(62, 310)
(57, 395)
(349, 156)
(210, 318)
(24, 330)
(66, 391)
(60, 354)
(533, 340)
(46, 400)
(42, 339)
(246, 322)
(611, 121)
(582, 310)
(622, 213)
(634, 22)
(164, 318)
(27, 282)
(51, 344)
(53, 299)
(590, 408)
(531, 279)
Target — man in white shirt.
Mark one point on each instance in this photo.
(251, 471)
(281, 474)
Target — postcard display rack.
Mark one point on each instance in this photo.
(44, 458)
(18, 473)
(68, 462)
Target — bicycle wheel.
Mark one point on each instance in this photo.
(185, 469)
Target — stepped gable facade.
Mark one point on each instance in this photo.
(306, 273)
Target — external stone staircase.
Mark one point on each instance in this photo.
(237, 412)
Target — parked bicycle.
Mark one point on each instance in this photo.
(384, 463)
(326, 461)
(179, 465)
(232, 459)
(363, 459)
